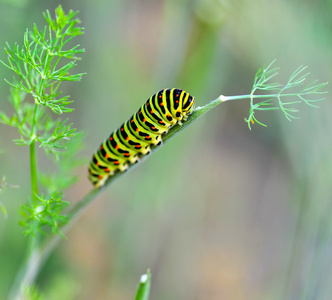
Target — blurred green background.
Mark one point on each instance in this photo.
(220, 212)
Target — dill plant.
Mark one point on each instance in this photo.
(40, 65)
(45, 61)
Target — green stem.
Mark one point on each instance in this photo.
(249, 96)
(33, 170)
(33, 161)
(32, 263)
(253, 96)
(28, 271)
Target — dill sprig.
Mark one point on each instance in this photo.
(278, 96)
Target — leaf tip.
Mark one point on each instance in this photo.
(144, 278)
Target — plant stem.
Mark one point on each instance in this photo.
(30, 268)
(230, 98)
(33, 161)
(33, 170)
(32, 262)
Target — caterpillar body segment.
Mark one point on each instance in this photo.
(134, 138)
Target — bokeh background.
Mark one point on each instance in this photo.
(221, 212)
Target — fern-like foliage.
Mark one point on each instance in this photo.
(40, 66)
(45, 211)
(305, 93)
(39, 63)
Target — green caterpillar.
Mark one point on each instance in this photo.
(145, 128)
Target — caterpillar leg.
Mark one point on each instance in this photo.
(184, 119)
(101, 181)
(98, 180)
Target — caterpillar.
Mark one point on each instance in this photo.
(134, 138)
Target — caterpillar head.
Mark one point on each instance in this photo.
(188, 104)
